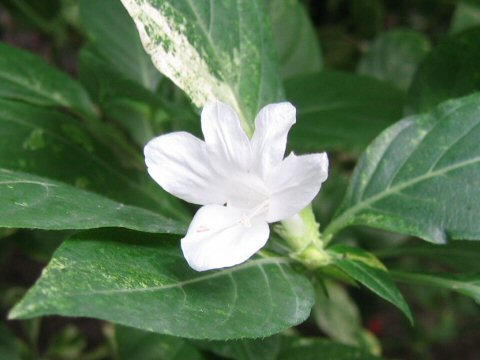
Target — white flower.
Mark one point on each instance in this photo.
(243, 184)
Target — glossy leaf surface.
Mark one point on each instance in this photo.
(28, 201)
(370, 272)
(143, 281)
(420, 177)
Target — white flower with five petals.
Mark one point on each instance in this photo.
(243, 184)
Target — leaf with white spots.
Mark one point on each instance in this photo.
(212, 50)
(420, 177)
(143, 281)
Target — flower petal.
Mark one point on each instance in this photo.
(294, 183)
(269, 141)
(178, 162)
(227, 143)
(218, 238)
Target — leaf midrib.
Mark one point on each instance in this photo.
(347, 218)
(181, 284)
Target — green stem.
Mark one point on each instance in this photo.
(335, 226)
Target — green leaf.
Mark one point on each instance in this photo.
(55, 145)
(420, 177)
(143, 281)
(28, 201)
(120, 98)
(113, 33)
(338, 316)
(466, 284)
(467, 15)
(297, 42)
(339, 111)
(460, 255)
(245, 349)
(107, 84)
(450, 70)
(314, 349)
(394, 56)
(143, 345)
(211, 50)
(27, 77)
(365, 268)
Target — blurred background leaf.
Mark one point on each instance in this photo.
(394, 56)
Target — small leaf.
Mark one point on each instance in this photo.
(113, 33)
(142, 345)
(297, 42)
(420, 177)
(394, 56)
(314, 349)
(28, 201)
(211, 50)
(468, 285)
(450, 70)
(365, 268)
(28, 78)
(143, 281)
(339, 111)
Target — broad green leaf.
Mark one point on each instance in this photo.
(460, 255)
(113, 33)
(314, 349)
(297, 43)
(420, 177)
(450, 70)
(28, 201)
(28, 78)
(219, 49)
(394, 56)
(245, 349)
(467, 15)
(339, 111)
(468, 284)
(338, 316)
(54, 145)
(133, 344)
(143, 281)
(365, 268)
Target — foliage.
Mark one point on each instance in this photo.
(397, 107)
